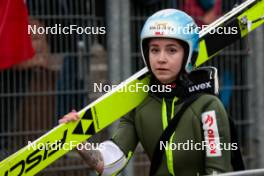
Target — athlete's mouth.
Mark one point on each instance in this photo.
(162, 69)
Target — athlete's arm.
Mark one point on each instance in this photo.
(216, 133)
(106, 160)
(93, 158)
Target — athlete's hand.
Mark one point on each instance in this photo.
(93, 158)
(70, 117)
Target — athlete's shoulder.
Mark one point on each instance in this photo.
(150, 100)
(206, 100)
(208, 103)
(209, 98)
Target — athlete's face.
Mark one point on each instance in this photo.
(165, 58)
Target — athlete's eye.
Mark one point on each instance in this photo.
(172, 50)
(154, 50)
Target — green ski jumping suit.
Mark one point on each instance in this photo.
(146, 123)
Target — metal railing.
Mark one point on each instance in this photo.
(252, 172)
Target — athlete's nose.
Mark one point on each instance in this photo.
(162, 57)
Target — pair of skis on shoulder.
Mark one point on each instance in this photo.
(113, 105)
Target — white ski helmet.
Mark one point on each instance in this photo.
(175, 24)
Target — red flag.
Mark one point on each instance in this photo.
(15, 42)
